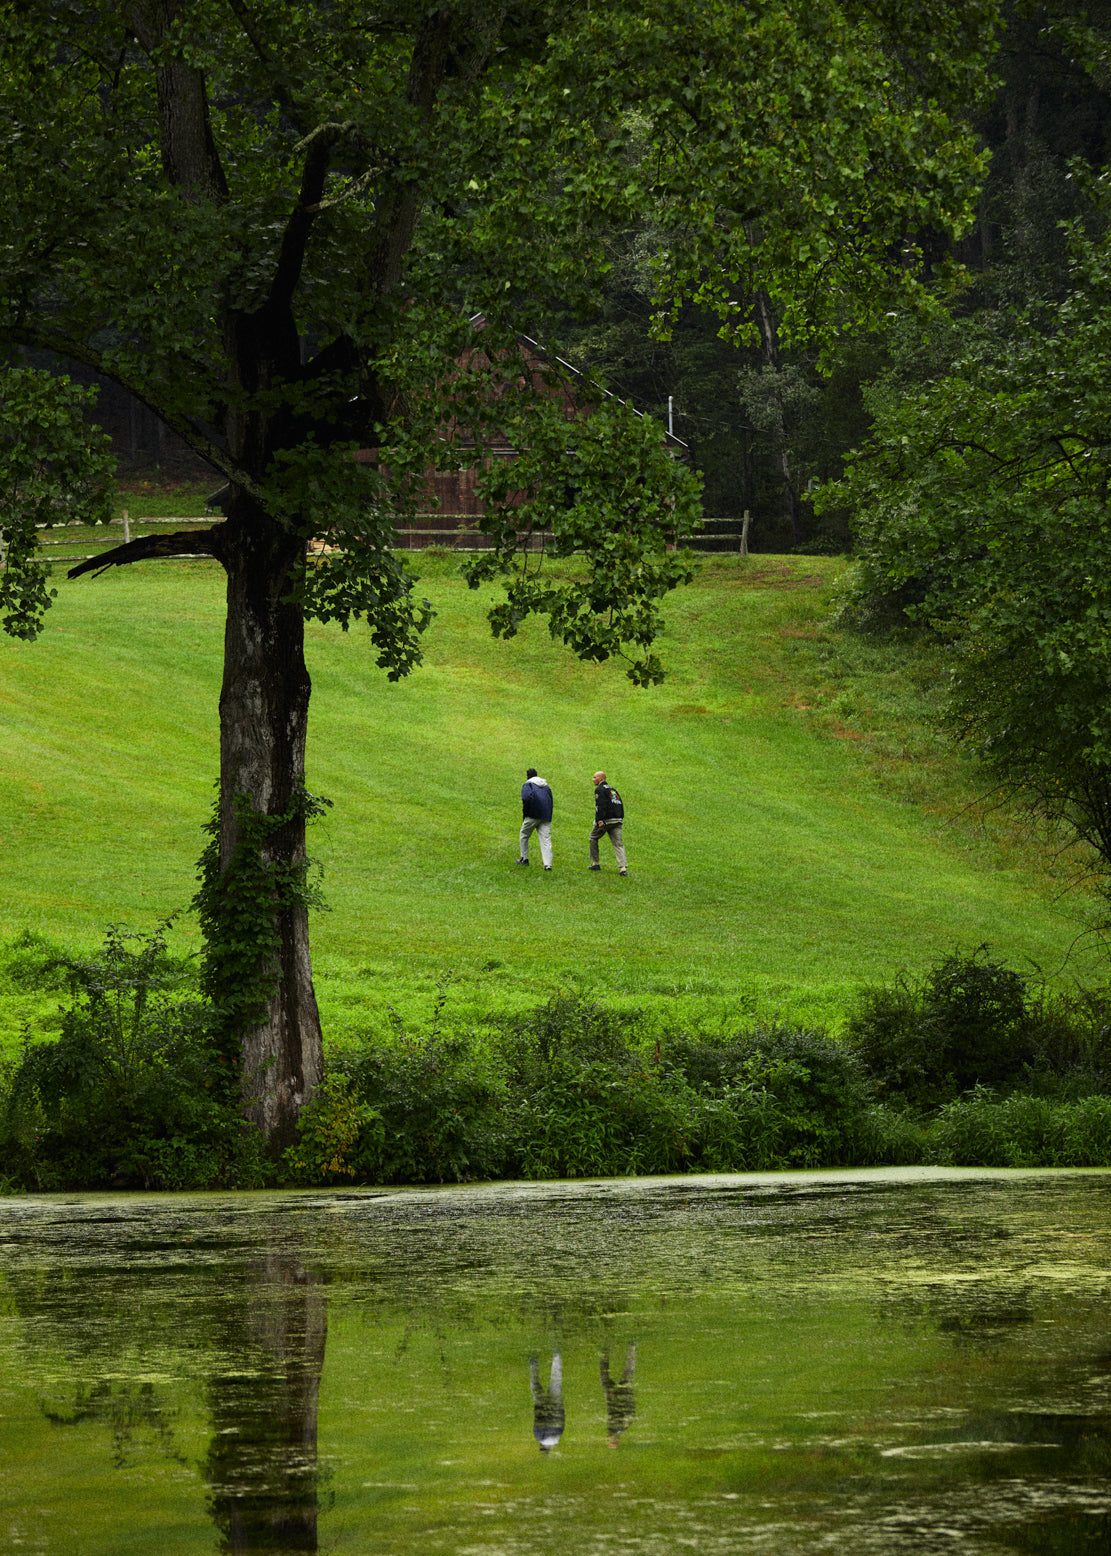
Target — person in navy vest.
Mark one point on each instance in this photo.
(547, 1404)
(536, 811)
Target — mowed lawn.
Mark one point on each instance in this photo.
(791, 836)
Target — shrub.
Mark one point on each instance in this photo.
(968, 1023)
(736, 1129)
(1073, 1037)
(133, 1093)
(574, 1089)
(569, 1027)
(891, 1138)
(982, 1130)
(798, 1098)
(433, 1113)
(582, 1098)
(332, 1127)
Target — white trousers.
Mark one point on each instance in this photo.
(530, 825)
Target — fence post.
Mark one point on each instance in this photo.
(126, 528)
(744, 533)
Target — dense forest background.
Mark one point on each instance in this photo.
(767, 425)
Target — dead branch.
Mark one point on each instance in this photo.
(183, 542)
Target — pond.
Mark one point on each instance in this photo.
(885, 1361)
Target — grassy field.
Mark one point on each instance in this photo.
(795, 828)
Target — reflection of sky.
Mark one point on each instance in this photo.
(816, 1356)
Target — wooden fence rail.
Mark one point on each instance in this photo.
(411, 538)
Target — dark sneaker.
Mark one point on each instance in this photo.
(622, 872)
(547, 867)
(522, 861)
(595, 867)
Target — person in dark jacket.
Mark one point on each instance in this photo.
(609, 813)
(620, 1402)
(536, 812)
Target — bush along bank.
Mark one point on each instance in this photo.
(575, 1090)
(968, 1066)
(134, 1091)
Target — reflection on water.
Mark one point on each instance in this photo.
(262, 1462)
(547, 1404)
(620, 1403)
(899, 1362)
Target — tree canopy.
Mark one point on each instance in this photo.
(982, 512)
(274, 223)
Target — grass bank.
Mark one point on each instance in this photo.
(795, 829)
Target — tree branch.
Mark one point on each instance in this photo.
(189, 156)
(318, 147)
(255, 36)
(80, 351)
(340, 355)
(400, 203)
(183, 542)
(433, 59)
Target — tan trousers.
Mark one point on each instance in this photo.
(613, 829)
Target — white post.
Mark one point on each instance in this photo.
(670, 420)
(126, 528)
(744, 533)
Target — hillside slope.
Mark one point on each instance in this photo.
(794, 830)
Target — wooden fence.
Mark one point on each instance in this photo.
(63, 549)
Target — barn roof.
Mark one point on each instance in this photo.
(671, 442)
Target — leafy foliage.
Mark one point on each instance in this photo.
(816, 1088)
(134, 1092)
(971, 1022)
(54, 469)
(574, 1089)
(330, 1128)
(367, 186)
(581, 1096)
(981, 507)
(433, 1114)
(967, 1023)
(625, 525)
(983, 1130)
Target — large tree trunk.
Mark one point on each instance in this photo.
(769, 342)
(264, 704)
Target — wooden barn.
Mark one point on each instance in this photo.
(450, 510)
(453, 516)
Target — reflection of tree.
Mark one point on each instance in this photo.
(88, 1338)
(975, 1316)
(262, 1465)
(129, 1409)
